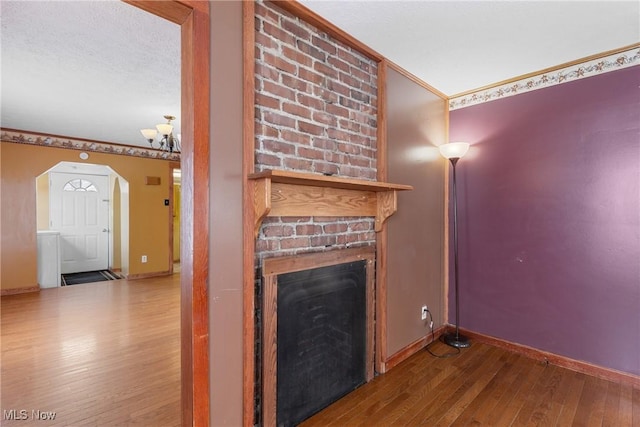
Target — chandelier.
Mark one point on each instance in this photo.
(167, 142)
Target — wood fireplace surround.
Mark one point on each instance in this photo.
(290, 193)
(272, 268)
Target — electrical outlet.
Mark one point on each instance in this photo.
(144, 258)
(424, 312)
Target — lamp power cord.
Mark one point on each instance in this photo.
(433, 339)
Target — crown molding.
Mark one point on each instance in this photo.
(586, 67)
(44, 140)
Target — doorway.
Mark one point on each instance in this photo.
(194, 21)
(88, 206)
(176, 190)
(79, 208)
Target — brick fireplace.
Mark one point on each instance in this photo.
(315, 112)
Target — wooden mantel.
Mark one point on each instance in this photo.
(289, 193)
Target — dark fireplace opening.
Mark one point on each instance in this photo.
(321, 338)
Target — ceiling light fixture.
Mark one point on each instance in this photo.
(167, 142)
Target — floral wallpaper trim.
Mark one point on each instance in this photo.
(79, 144)
(577, 71)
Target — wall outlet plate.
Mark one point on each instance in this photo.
(423, 313)
(144, 258)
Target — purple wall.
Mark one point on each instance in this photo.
(549, 211)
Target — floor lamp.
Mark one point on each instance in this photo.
(454, 152)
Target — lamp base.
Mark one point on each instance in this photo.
(456, 340)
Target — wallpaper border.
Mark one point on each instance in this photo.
(43, 140)
(567, 74)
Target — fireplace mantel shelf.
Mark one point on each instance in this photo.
(289, 193)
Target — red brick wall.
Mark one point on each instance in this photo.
(315, 111)
(316, 108)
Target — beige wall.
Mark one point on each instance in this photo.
(225, 256)
(176, 221)
(42, 204)
(22, 163)
(116, 227)
(416, 126)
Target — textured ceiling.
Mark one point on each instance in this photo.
(103, 70)
(456, 46)
(99, 70)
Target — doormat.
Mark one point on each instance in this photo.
(88, 277)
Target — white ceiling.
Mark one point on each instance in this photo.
(456, 46)
(103, 70)
(98, 70)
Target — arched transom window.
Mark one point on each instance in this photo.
(79, 185)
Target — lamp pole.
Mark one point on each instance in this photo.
(454, 152)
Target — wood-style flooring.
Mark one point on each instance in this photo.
(108, 354)
(100, 354)
(483, 386)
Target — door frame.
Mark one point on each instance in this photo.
(194, 20)
(172, 201)
(103, 195)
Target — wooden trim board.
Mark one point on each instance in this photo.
(289, 193)
(194, 20)
(318, 180)
(248, 188)
(16, 291)
(530, 352)
(546, 70)
(408, 351)
(555, 359)
(382, 237)
(304, 13)
(147, 275)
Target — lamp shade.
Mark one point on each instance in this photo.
(164, 128)
(149, 133)
(454, 150)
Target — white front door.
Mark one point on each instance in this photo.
(79, 210)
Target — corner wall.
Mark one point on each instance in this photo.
(416, 125)
(549, 210)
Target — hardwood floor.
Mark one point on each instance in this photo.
(483, 386)
(99, 354)
(108, 353)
